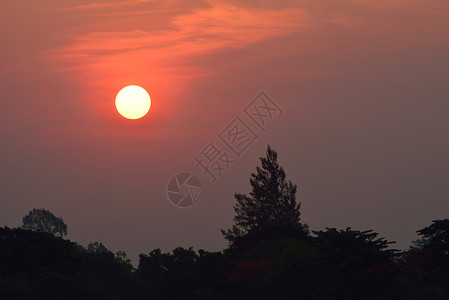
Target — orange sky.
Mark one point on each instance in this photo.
(363, 85)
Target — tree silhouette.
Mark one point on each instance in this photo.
(36, 265)
(361, 248)
(44, 221)
(272, 202)
(436, 237)
(97, 247)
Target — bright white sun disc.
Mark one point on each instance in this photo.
(133, 102)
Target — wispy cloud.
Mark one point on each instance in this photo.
(199, 31)
(103, 5)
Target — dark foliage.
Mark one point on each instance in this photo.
(44, 221)
(97, 247)
(37, 265)
(271, 203)
(184, 273)
(271, 255)
(436, 238)
(254, 236)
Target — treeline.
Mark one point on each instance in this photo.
(271, 255)
(330, 264)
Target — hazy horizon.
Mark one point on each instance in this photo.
(362, 86)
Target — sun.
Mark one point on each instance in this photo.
(133, 102)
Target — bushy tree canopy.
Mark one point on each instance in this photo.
(436, 237)
(97, 247)
(44, 221)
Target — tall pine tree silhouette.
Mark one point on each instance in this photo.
(271, 204)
